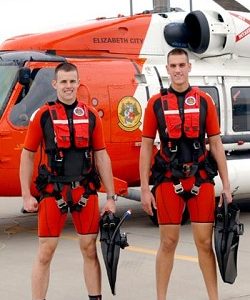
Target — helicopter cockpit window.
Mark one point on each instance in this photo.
(213, 92)
(241, 108)
(40, 92)
(8, 75)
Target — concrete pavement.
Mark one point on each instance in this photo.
(135, 279)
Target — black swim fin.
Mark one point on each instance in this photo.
(227, 230)
(111, 242)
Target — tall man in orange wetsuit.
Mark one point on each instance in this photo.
(182, 170)
(71, 135)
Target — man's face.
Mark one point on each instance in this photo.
(66, 85)
(178, 68)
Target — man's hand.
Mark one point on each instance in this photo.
(30, 204)
(110, 205)
(228, 196)
(147, 201)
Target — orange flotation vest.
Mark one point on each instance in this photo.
(62, 127)
(175, 127)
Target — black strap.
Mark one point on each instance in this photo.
(56, 193)
(65, 205)
(98, 297)
(186, 195)
(160, 80)
(83, 200)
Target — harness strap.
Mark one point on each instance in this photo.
(83, 200)
(61, 203)
(182, 170)
(186, 195)
(66, 205)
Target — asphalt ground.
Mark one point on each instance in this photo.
(136, 275)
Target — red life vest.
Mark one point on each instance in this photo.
(174, 125)
(62, 128)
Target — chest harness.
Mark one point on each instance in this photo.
(68, 133)
(182, 125)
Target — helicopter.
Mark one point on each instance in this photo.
(121, 63)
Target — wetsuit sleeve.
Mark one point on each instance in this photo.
(212, 122)
(34, 134)
(98, 141)
(150, 122)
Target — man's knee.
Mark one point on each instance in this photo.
(204, 245)
(46, 252)
(88, 248)
(169, 244)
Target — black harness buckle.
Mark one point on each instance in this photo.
(195, 190)
(75, 184)
(83, 201)
(58, 157)
(62, 205)
(80, 204)
(196, 145)
(186, 169)
(178, 188)
(173, 149)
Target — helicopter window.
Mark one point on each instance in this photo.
(241, 108)
(213, 92)
(8, 75)
(40, 92)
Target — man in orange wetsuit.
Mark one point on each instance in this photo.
(71, 136)
(183, 171)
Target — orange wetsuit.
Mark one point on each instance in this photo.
(170, 205)
(50, 219)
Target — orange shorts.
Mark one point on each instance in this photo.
(170, 206)
(51, 220)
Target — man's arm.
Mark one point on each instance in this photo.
(217, 151)
(147, 198)
(103, 164)
(26, 171)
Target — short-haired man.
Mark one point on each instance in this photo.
(182, 171)
(72, 140)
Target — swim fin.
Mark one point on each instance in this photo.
(111, 242)
(227, 230)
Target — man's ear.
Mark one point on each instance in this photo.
(167, 69)
(53, 83)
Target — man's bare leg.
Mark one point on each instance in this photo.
(41, 267)
(91, 265)
(169, 236)
(203, 239)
